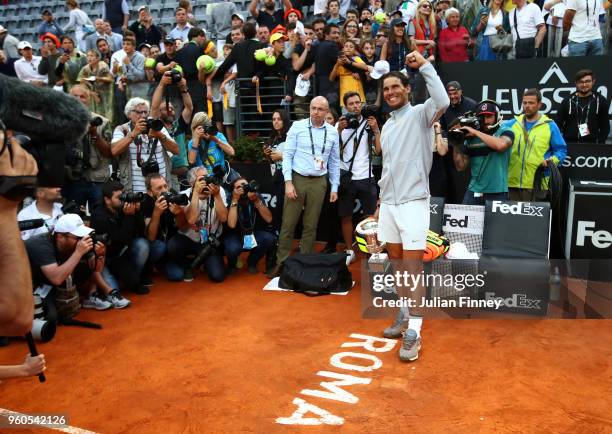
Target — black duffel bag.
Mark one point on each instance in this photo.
(318, 274)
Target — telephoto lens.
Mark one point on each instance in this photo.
(42, 330)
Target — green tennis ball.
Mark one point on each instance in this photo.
(380, 17)
(260, 54)
(150, 63)
(270, 60)
(206, 63)
(179, 68)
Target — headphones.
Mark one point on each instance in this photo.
(498, 116)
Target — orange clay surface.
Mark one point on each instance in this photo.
(224, 358)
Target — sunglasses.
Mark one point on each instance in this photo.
(351, 27)
(380, 36)
(425, 6)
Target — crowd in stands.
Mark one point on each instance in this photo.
(152, 172)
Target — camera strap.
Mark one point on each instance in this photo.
(247, 228)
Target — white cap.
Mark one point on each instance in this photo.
(239, 16)
(2, 29)
(301, 86)
(71, 224)
(23, 44)
(380, 68)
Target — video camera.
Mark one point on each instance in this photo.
(178, 199)
(469, 119)
(211, 246)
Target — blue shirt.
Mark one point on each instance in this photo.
(215, 153)
(298, 156)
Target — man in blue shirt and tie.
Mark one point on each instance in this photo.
(311, 152)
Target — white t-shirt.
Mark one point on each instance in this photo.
(557, 11)
(528, 20)
(138, 181)
(361, 165)
(493, 22)
(585, 26)
(117, 58)
(31, 212)
(408, 10)
(320, 7)
(208, 217)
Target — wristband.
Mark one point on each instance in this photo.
(234, 204)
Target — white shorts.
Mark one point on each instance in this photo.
(406, 224)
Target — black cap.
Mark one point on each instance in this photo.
(453, 84)
(366, 20)
(397, 22)
(486, 108)
(46, 12)
(169, 40)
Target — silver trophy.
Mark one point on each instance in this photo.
(366, 235)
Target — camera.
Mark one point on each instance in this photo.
(369, 110)
(352, 121)
(176, 76)
(209, 247)
(71, 207)
(126, 197)
(211, 130)
(154, 124)
(42, 330)
(99, 238)
(178, 199)
(217, 176)
(251, 187)
(469, 119)
(96, 121)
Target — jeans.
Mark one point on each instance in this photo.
(588, 48)
(469, 198)
(130, 267)
(233, 242)
(180, 247)
(83, 193)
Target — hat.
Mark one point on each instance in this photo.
(143, 7)
(71, 224)
(51, 36)
(297, 12)
(366, 20)
(397, 22)
(301, 86)
(487, 108)
(144, 44)
(46, 12)
(275, 37)
(454, 84)
(2, 29)
(23, 44)
(277, 29)
(169, 40)
(380, 68)
(239, 16)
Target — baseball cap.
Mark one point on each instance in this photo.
(397, 22)
(51, 36)
(143, 45)
(275, 37)
(278, 29)
(169, 40)
(2, 29)
(453, 84)
(486, 108)
(23, 44)
(239, 16)
(71, 224)
(46, 12)
(380, 68)
(143, 7)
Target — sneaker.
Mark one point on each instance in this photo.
(94, 301)
(140, 289)
(253, 269)
(397, 328)
(188, 275)
(118, 301)
(411, 344)
(350, 258)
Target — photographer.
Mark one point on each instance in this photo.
(178, 126)
(205, 215)
(89, 161)
(242, 222)
(140, 145)
(208, 146)
(163, 219)
(356, 178)
(47, 205)
(487, 151)
(118, 218)
(63, 259)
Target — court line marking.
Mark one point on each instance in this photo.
(69, 429)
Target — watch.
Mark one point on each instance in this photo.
(234, 204)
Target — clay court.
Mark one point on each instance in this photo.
(197, 357)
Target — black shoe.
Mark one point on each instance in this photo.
(140, 290)
(231, 270)
(329, 249)
(146, 281)
(275, 271)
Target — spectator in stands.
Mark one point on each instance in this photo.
(350, 30)
(528, 29)
(47, 205)
(468, 10)
(187, 57)
(370, 85)
(320, 9)
(105, 51)
(26, 68)
(331, 118)
(349, 71)
(554, 25)
(79, 22)
(423, 30)
(131, 68)
(454, 41)
(207, 148)
(146, 32)
(355, 162)
(302, 62)
(7, 65)
(292, 15)
(181, 30)
(228, 89)
(333, 13)
(325, 57)
(70, 63)
(280, 68)
(191, 19)
(222, 20)
(99, 81)
(263, 34)
(440, 8)
(87, 173)
(318, 26)
(119, 220)
(50, 56)
(116, 38)
(488, 22)
(583, 25)
(380, 40)
(162, 222)
(237, 23)
(537, 143)
(49, 25)
(407, 8)
(583, 116)
(438, 178)
(487, 152)
(135, 144)
(8, 43)
(247, 219)
(178, 126)
(117, 13)
(268, 16)
(91, 39)
(155, 51)
(366, 29)
(397, 47)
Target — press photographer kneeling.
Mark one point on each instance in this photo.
(245, 229)
(205, 215)
(479, 139)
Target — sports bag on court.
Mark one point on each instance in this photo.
(318, 274)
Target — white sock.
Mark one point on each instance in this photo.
(405, 312)
(415, 323)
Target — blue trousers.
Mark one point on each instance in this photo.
(233, 243)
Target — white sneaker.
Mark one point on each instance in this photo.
(350, 258)
(94, 301)
(117, 300)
